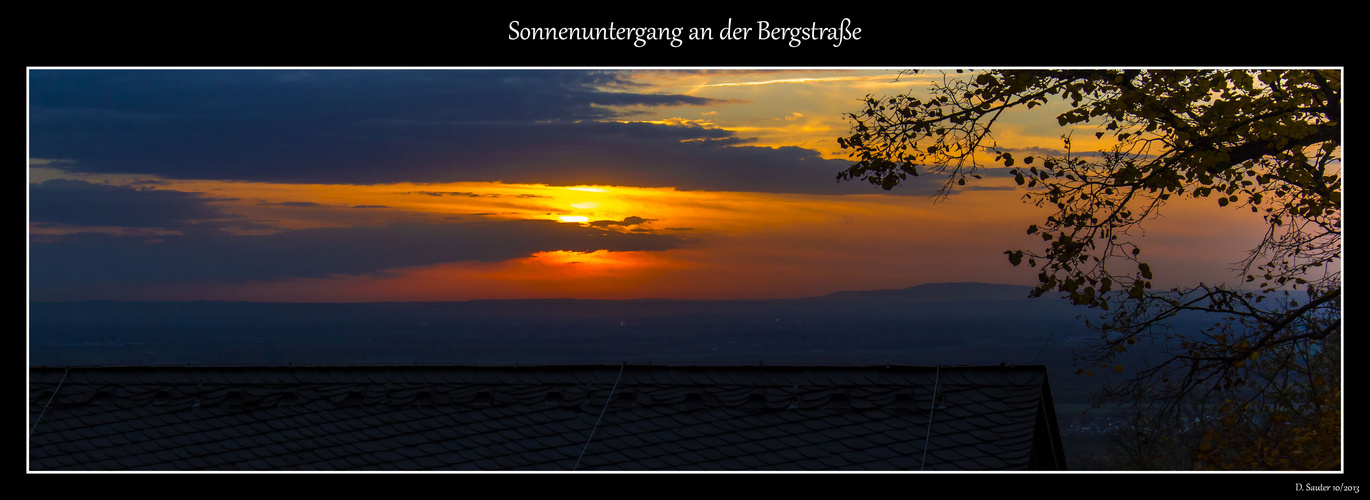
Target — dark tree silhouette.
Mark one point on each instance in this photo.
(1267, 141)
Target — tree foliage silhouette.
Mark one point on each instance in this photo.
(1266, 141)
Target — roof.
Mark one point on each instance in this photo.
(543, 418)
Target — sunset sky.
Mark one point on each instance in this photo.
(427, 185)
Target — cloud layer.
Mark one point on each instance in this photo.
(367, 127)
(84, 204)
(87, 260)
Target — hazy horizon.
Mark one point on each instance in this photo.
(927, 288)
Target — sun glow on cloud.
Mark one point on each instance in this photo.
(746, 245)
(593, 275)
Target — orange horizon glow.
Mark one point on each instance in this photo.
(750, 245)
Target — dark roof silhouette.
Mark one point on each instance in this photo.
(620, 417)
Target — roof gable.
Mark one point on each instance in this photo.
(621, 417)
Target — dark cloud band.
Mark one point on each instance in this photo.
(96, 260)
(370, 127)
(85, 204)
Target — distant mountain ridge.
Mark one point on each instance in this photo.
(938, 292)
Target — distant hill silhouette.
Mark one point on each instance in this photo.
(939, 292)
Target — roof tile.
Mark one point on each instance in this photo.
(679, 417)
